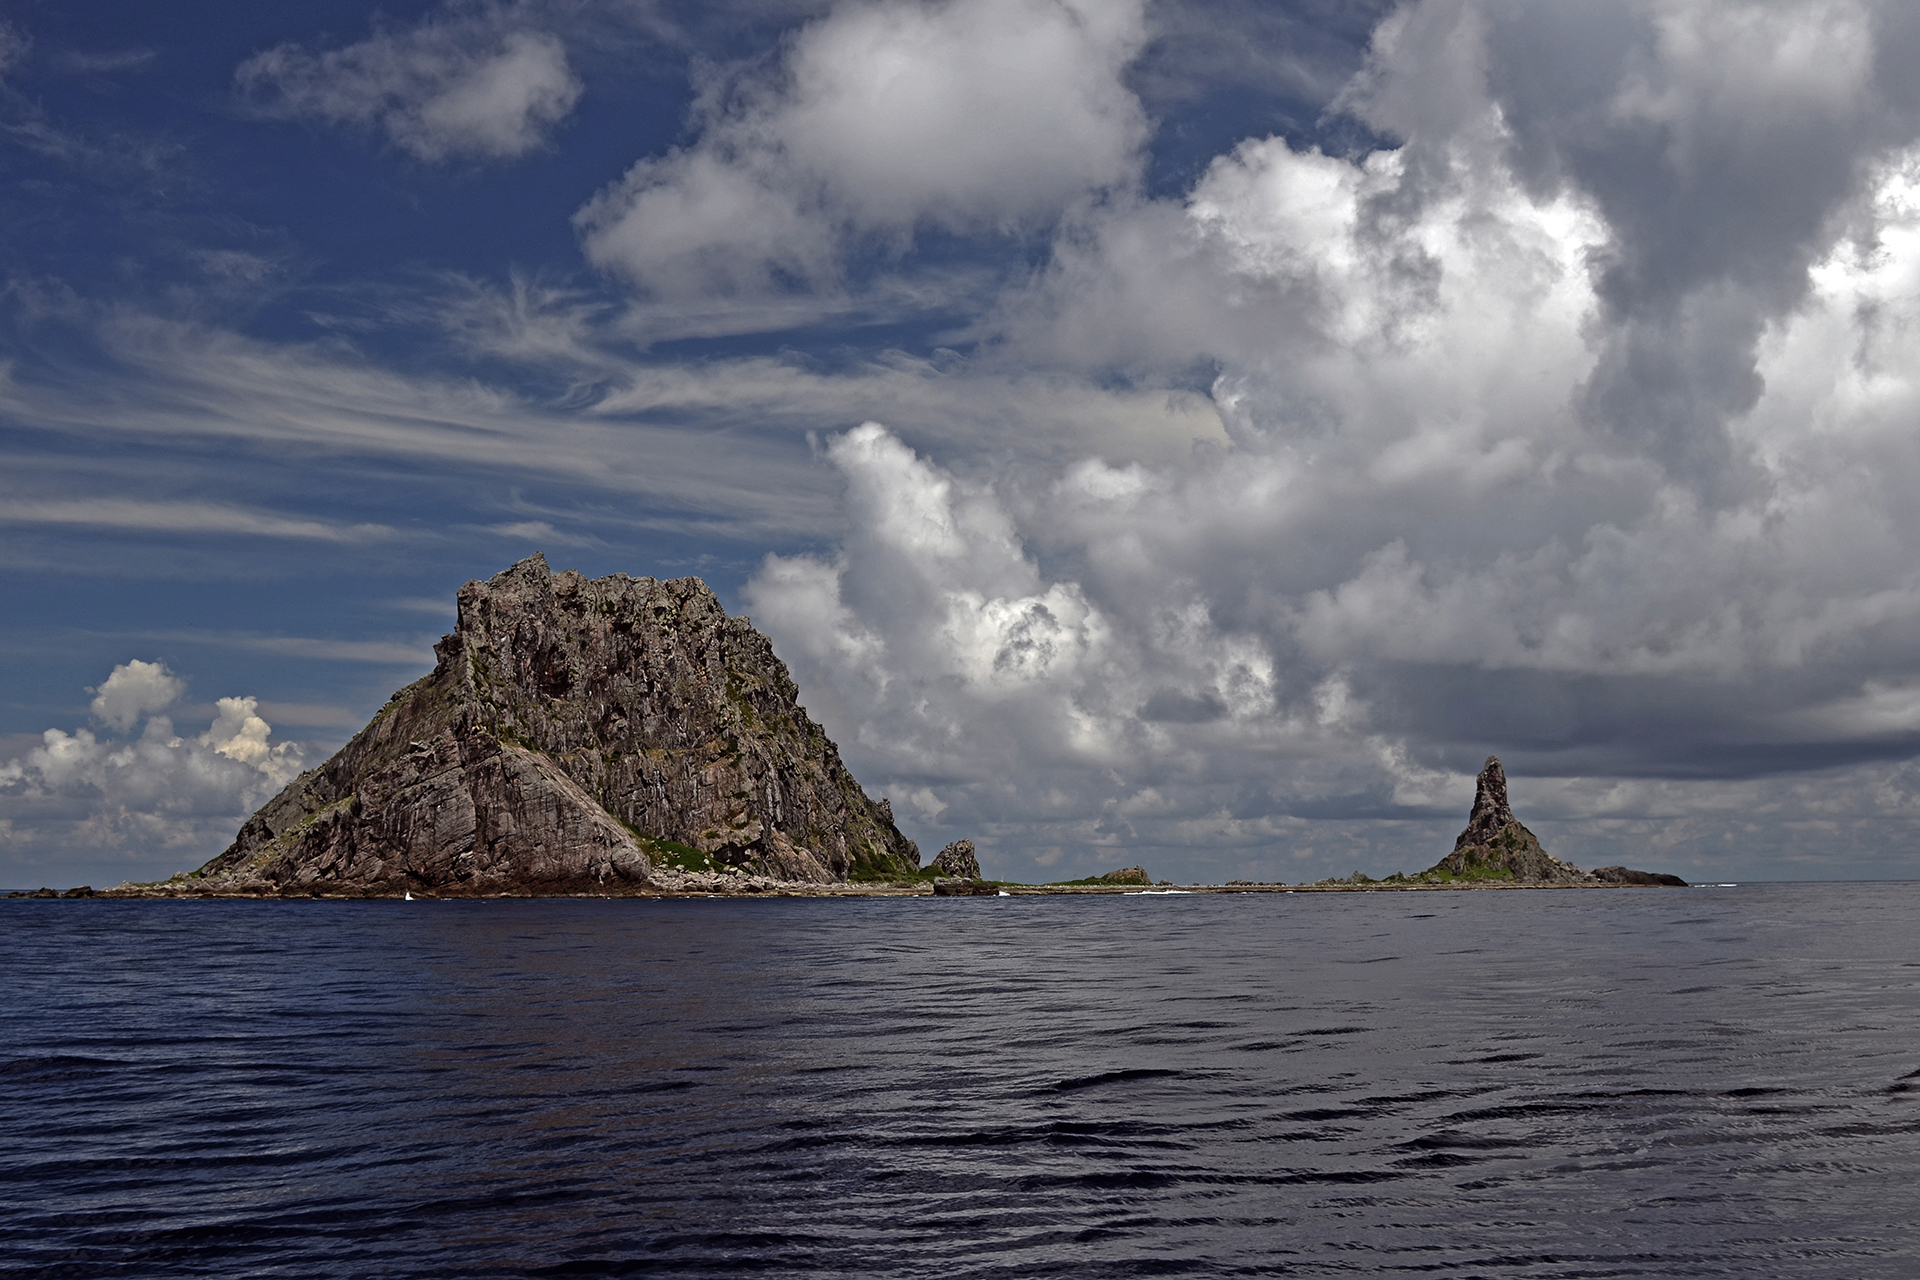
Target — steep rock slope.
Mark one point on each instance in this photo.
(577, 734)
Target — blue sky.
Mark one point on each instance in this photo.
(1183, 433)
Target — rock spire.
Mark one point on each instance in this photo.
(1491, 813)
(611, 735)
(1495, 846)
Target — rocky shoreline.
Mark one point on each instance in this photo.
(717, 885)
(1494, 852)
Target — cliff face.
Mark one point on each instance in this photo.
(1496, 847)
(574, 732)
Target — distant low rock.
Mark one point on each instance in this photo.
(1627, 875)
(957, 859)
(605, 735)
(1496, 847)
(1128, 875)
(965, 889)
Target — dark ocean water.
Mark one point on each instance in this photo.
(1703, 1082)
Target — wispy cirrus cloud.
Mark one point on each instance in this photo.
(477, 83)
(179, 517)
(172, 380)
(647, 428)
(380, 653)
(14, 44)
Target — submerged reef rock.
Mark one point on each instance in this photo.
(957, 860)
(606, 735)
(1496, 847)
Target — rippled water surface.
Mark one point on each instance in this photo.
(1704, 1082)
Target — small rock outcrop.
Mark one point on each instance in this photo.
(1496, 847)
(607, 735)
(1128, 875)
(957, 860)
(1627, 875)
(965, 889)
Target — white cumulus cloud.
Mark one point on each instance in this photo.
(967, 115)
(980, 687)
(152, 799)
(133, 690)
(1572, 421)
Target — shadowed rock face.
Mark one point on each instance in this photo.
(571, 726)
(1496, 847)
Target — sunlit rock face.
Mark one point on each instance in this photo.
(1495, 846)
(577, 735)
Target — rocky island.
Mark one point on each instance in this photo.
(1496, 848)
(610, 735)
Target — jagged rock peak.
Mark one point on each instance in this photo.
(578, 734)
(1490, 809)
